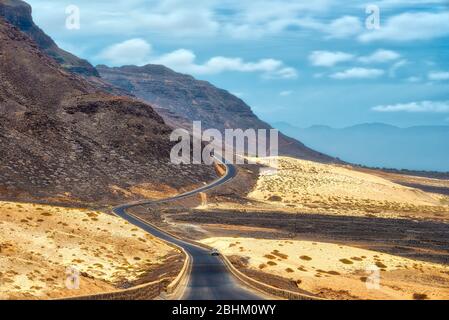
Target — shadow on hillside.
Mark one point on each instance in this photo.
(423, 240)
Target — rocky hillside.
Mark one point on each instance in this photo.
(18, 13)
(181, 99)
(178, 98)
(62, 139)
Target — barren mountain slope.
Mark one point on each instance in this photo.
(181, 99)
(62, 140)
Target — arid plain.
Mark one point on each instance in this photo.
(39, 242)
(322, 229)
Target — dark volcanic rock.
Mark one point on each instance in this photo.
(18, 13)
(181, 99)
(61, 139)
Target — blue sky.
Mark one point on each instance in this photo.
(303, 62)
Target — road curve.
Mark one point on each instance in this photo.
(209, 278)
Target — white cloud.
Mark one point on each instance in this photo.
(332, 58)
(283, 73)
(133, 51)
(328, 58)
(396, 66)
(257, 18)
(344, 27)
(411, 26)
(286, 93)
(139, 52)
(380, 56)
(199, 18)
(339, 28)
(416, 107)
(438, 76)
(177, 59)
(358, 73)
(236, 18)
(324, 58)
(132, 18)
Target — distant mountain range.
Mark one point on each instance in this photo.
(181, 99)
(69, 135)
(379, 145)
(178, 98)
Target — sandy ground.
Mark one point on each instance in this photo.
(439, 183)
(39, 242)
(339, 222)
(337, 271)
(312, 187)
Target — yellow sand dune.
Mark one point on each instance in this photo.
(338, 271)
(316, 187)
(39, 242)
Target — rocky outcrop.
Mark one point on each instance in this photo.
(64, 140)
(18, 13)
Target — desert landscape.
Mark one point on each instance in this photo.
(87, 155)
(317, 228)
(39, 242)
(335, 271)
(305, 186)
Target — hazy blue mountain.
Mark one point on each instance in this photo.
(379, 145)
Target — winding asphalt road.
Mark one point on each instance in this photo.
(209, 278)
